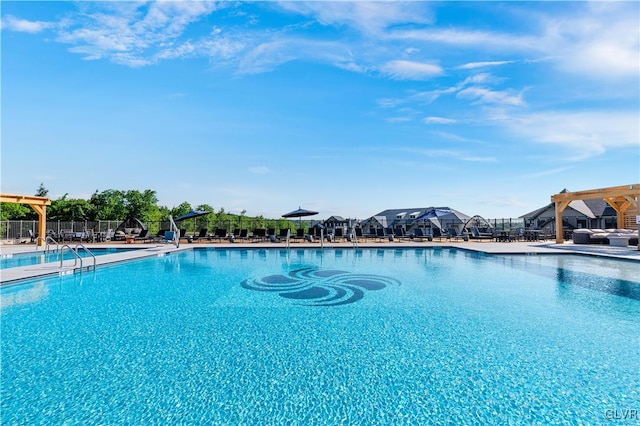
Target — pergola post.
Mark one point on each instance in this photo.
(39, 204)
(560, 206)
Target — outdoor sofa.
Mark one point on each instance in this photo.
(603, 236)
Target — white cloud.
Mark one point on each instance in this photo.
(439, 120)
(582, 134)
(409, 70)
(474, 65)
(482, 40)
(370, 17)
(602, 41)
(487, 96)
(22, 25)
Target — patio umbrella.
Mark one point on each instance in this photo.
(193, 214)
(300, 213)
(441, 216)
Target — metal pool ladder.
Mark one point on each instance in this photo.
(46, 243)
(76, 255)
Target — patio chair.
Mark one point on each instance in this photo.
(143, 236)
(220, 234)
(201, 235)
(477, 235)
(390, 234)
(299, 235)
(401, 234)
(358, 234)
(259, 234)
(437, 233)
(282, 234)
(159, 237)
(419, 235)
(453, 233)
(243, 234)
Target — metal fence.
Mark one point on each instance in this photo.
(20, 229)
(25, 230)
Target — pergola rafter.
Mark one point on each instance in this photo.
(620, 198)
(39, 204)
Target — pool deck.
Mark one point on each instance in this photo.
(16, 275)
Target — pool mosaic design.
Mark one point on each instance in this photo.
(320, 287)
(441, 336)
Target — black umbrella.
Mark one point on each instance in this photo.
(193, 214)
(300, 213)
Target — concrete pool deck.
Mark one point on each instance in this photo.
(18, 274)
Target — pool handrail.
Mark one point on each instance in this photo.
(46, 243)
(80, 245)
(354, 237)
(176, 231)
(75, 253)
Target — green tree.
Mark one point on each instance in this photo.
(109, 205)
(12, 211)
(42, 191)
(141, 205)
(181, 209)
(68, 209)
(209, 220)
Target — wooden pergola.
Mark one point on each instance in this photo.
(39, 204)
(621, 198)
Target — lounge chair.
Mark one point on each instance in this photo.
(390, 234)
(338, 234)
(299, 235)
(453, 233)
(243, 235)
(358, 234)
(477, 235)
(201, 235)
(143, 236)
(437, 233)
(219, 234)
(259, 234)
(401, 234)
(159, 237)
(419, 235)
(380, 234)
(282, 234)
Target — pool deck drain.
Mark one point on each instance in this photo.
(18, 274)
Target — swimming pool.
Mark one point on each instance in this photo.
(385, 336)
(16, 260)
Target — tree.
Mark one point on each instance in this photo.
(141, 205)
(183, 208)
(42, 191)
(70, 209)
(12, 211)
(108, 205)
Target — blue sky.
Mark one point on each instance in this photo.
(347, 108)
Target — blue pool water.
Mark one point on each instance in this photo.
(36, 258)
(304, 337)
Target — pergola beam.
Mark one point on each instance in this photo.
(39, 204)
(620, 198)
